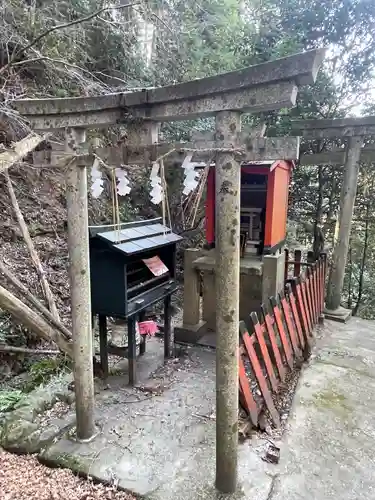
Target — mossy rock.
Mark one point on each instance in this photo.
(52, 456)
(19, 429)
(16, 433)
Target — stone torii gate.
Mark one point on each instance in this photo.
(264, 87)
(354, 130)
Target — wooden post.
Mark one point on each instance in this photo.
(227, 185)
(347, 200)
(79, 273)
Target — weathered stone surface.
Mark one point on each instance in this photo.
(264, 87)
(346, 127)
(15, 434)
(56, 106)
(301, 68)
(337, 157)
(164, 447)
(20, 429)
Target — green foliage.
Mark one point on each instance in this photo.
(8, 399)
(42, 371)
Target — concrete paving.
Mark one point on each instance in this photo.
(159, 441)
(329, 448)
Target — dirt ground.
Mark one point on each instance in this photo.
(24, 478)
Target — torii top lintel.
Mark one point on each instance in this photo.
(341, 127)
(264, 87)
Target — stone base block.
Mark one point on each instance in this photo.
(341, 315)
(190, 334)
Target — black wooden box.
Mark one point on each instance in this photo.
(121, 283)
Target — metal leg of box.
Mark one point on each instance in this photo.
(142, 347)
(168, 334)
(103, 344)
(132, 351)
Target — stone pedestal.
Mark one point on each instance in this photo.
(250, 287)
(273, 275)
(260, 278)
(341, 315)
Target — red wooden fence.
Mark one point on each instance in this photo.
(270, 346)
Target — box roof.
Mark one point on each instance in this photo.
(136, 237)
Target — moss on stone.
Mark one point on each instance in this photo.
(333, 400)
(70, 462)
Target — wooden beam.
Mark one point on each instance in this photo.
(337, 157)
(19, 150)
(348, 127)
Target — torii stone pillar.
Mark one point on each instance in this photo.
(79, 274)
(347, 201)
(228, 187)
(355, 129)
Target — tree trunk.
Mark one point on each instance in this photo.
(23, 314)
(34, 301)
(350, 279)
(363, 262)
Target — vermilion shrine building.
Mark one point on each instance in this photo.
(264, 206)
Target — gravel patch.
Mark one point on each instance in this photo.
(24, 478)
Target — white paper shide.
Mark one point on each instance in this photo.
(123, 187)
(157, 192)
(191, 175)
(97, 179)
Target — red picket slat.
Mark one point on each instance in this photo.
(258, 329)
(297, 322)
(257, 369)
(316, 291)
(313, 297)
(306, 306)
(309, 301)
(318, 288)
(297, 288)
(275, 348)
(280, 328)
(248, 399)
(323, 279)
(289, 324)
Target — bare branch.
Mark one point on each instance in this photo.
(25, 350)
